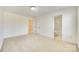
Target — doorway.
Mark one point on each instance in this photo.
(30, 25)
(58, 28)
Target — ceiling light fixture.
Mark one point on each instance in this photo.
(32, 7)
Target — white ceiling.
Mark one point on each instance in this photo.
(26, 11)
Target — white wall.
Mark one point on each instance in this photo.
(78, 25)
(15, 25)
(12, 25)
(69, 25)
(1, 24)
(1, 28)
(45, 24)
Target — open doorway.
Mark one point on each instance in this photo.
(58, 28)
(30, 25)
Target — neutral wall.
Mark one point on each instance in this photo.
(15, 25)
(1, 24)
(1, 28)
(11, 25)
(69, 25)
(45, 24)
(78, 25)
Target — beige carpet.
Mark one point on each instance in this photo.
(35, 43)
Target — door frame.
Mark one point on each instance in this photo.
(61, 25)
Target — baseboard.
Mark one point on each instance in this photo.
(70, 42)
(44, 35)
(14, 35)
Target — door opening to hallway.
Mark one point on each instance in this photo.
(58, 28)
(30, 25)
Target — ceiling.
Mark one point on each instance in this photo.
(26, 11)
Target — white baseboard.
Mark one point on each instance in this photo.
(45, 36)
(15, 35)
(74, 42)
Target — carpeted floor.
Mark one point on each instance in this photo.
(36, 43)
